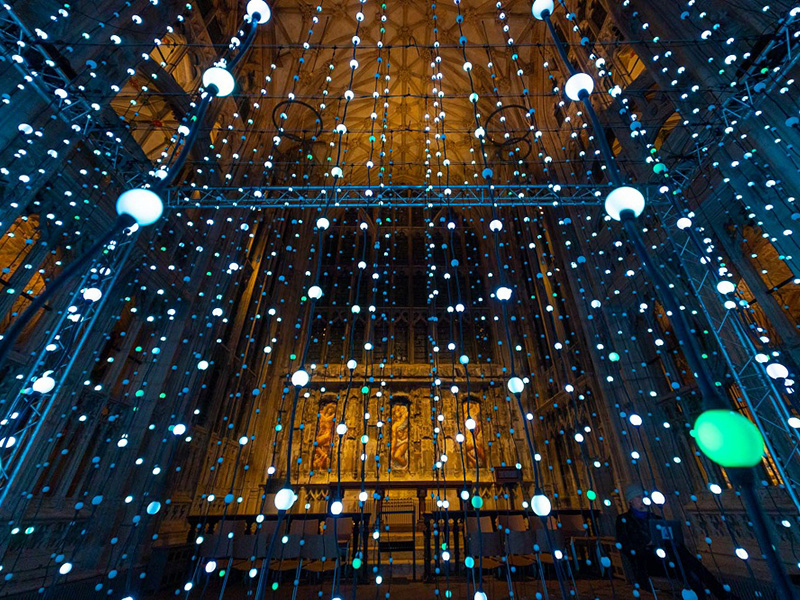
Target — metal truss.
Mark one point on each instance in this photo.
(27, 53)
(733, 329)
(394, 195)
(28, 410)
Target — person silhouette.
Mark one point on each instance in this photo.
(636, 544)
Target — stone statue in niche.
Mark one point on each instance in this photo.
(476, 454)
(399, 436)
(322, 451)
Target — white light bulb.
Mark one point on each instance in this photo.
(470, 424)
(515, 385)
(341, 429)
(285, 499)
(44, 384)
(92, 294)
(622, 199)
(579, 85)
(315, 292)
(259, 8)
(323, 223)
(503, 293)
(777, 371)
(145, 206)
(726, 286)
(221, 79)
(337, 507)
(541, 505)
(540, 7)
(299, 378)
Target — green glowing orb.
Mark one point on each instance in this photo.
(469, 562)
(613, 357)
(591, 495)
(728, 438)
(356, 563)
(477, 502)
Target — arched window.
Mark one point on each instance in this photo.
(398, 457)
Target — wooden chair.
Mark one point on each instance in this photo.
(220, 544)
(286, 554)
(321, 553)
(304, 527)
(486, 546)
(512, 522)
(486, 524)
(519, 548)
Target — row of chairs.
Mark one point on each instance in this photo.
(308, 542)
(519, 541)
(570, 525)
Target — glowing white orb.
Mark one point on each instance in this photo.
(515, 385)
(44, 384)
(503, 293)
(285, 499)
(579, 85)
(299, 378)
(541, 505)
(145, 206)
(221, 79)
(777, 371)
(623, 199)
(259, 10)
(92, 294)
(726, 286)
(540, 7)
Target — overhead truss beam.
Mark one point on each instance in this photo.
(395, 195)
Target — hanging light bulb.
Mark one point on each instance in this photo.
(503, 293)
(622, 199)
(259, 11)
(299, 378)
(515, 385)
(579, 86)
(145, 206)
(44, 384)
(285, 499)
(336, 508)
(542, 8)
(315, 292)
(541, 505)
(221, 79)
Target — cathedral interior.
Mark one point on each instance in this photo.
(399, 299)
